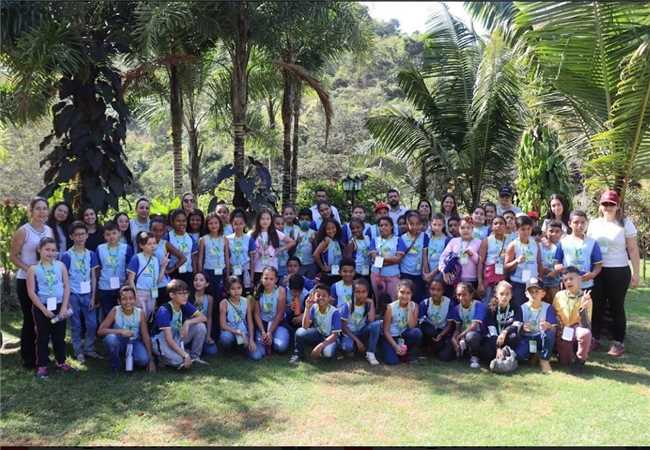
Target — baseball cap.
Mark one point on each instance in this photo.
(381, 205)
(533, 283)
(533, 215)
(505, 191)
(610, 197)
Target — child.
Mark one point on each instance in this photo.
(145, 273)
(511, 226)
(238, 244)
(537, 331)
(124, 227)
(387, 251)
(204, 302)
(141, 221)
(523, 259)
(470, 324)
(453, 227)
(401, 335)
(437, 244)
(381, 210)
(341, 291)
(196, 224)
(437, 321)
(502, 321)
(357, 249)
(580, 251)
(491, 261)
(329, 251)
(180, 239)
(82, 267)
(305, 245)
(467, 249)
(548, 248)
(320, 326)
(163, 248)
(289, 218)
(126, 325)
(490, 212)
(293, 268)
(226, 219)
(214, 255)
(358, 213)
(359, 323)
(297, 292)
(269, 313)
(113, 258)
(179, 324)
(416, 256)
(573, 309)
(283, 256)
(402, 226)
(236, 319)
(48, 288)
(480, 230)
(265, 245)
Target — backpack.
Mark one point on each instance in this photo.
(153, 326)
(453, 267)
(505, 361)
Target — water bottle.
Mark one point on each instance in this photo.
(60, 317)
(129, 357)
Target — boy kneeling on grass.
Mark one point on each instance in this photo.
(179, 324)
(573, 308)
(321, 325)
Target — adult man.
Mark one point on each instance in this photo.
(321, 196)
(505, 201)
(396, 210)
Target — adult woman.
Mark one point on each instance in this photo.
(616, 236)
(95, 231)
(59, 220)
(141, 221)
(24, 245)
(188, 203)
(425, 210)
(449, 208)
(558, 209)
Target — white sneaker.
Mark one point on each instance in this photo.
(372, 359)
(80, 357)
(473, 363)
(196, 359)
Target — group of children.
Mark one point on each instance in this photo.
(180, 289)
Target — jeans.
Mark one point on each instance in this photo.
(545, 343)
(195, 338)
(45, 330)
(610, 288)
(280, 337)
(384, 285)
(227, 341)
(443, 348)
(107, 300)
(369, 331)
(116, 347)
(216, 286)
(488, 350)
(412, 338)
(473, 340)
(80, 304)
(210, 349)
(311, 336)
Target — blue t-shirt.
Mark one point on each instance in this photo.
(476, 312)
(186, 245)
(239, 250)
(305, 248)
(437, 245)
(357, 318)
(79, 269)
(411, 263)
(438, 315)
(49, 281)
(341, 293)
(548, 261)
(146, 270)
(326, 323)
(113, 261)
(387, 248)
(534, 316)
(579, 253)
(214, 256)
(166, 317)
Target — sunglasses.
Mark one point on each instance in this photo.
(608, 204)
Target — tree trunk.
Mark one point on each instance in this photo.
(240, 54)
(176, 107)
(422, 182)
(297, 103)
(195, 158)
(270, 110)
(287, 116)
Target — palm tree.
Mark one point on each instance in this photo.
(465, 117)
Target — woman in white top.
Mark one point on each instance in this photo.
(616, 237)
(559, 210)
(24, 244)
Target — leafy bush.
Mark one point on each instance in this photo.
(12, 215)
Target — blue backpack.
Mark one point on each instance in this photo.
(453, 266)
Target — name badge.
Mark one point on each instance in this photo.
(84, 287)
(525, 275)
(379, 262)
(365, 270)
(498, 269)
(335, 270)
(532, 346)
(218, 271)
(492, 330)
(236, 270)
(154, 292)
(240, 339)
(464, 259)
(51, 303)
(115, 282)
(567, 334)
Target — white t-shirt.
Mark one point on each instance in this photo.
(513, 208)
(611, 239)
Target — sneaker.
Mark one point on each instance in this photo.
(80, 357)
(474, 364)
(545, 366)
(41, 373)
(196, 359)
(94, 355)
(595, 345)
(295, 359)
(617, 349)
(64, 367)
(372, 359)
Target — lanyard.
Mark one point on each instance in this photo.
(466, 317)
(112, 257)
(50, 276)
(501, 317)
(80, 263)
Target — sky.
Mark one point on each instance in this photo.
(413, 16)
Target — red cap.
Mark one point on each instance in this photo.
(609, 197)
(381, 205)
(533, 215)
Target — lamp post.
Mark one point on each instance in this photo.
(352, 185)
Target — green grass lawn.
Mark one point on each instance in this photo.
(236, 401)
